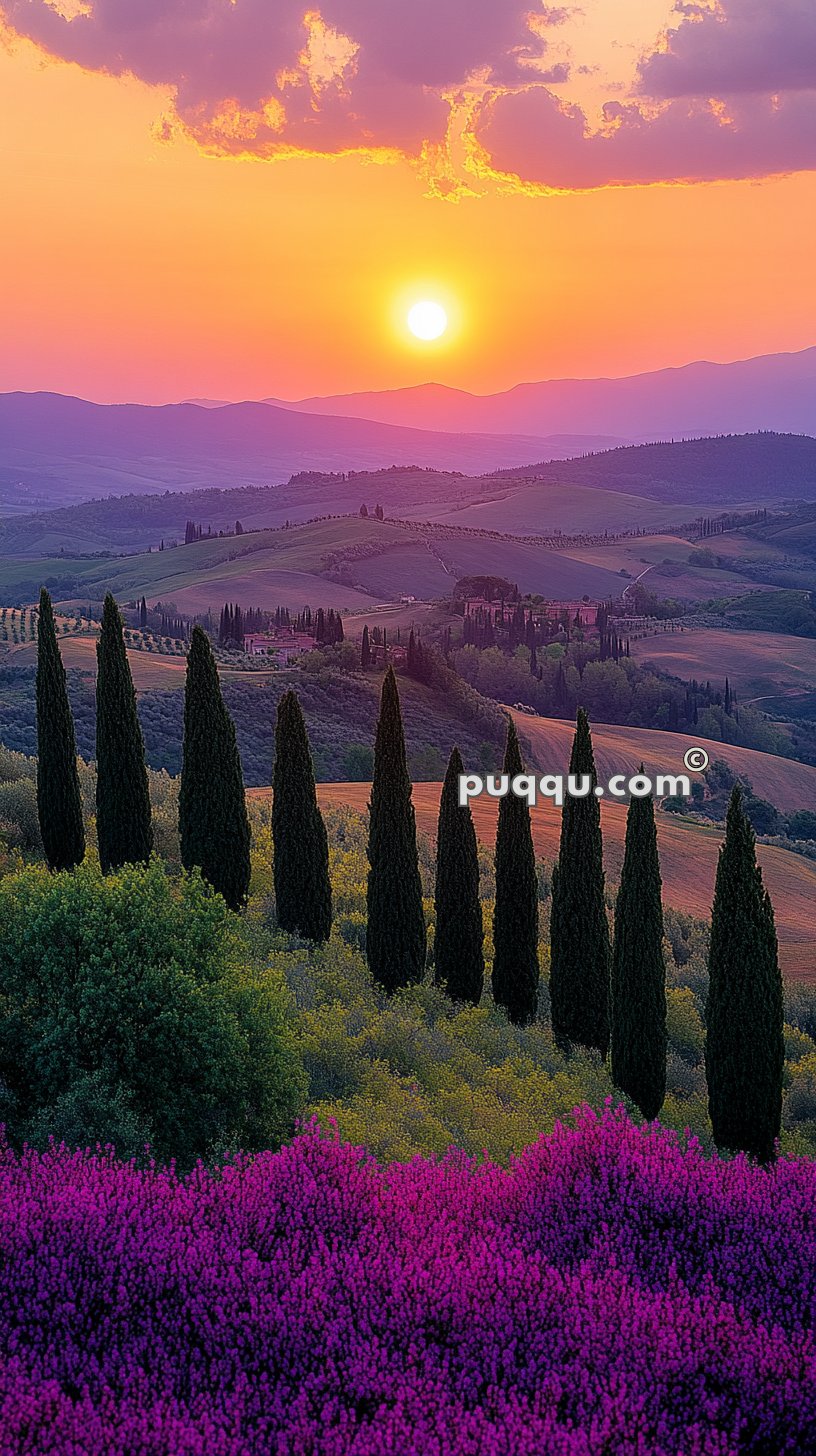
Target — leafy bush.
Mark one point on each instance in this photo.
(19, 819)
(123, 1013)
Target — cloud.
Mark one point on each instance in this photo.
(730, 92)
(545, 143)
(739, 47)
(464, 85)
(267, 75)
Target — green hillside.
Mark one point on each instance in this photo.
(349, 562)
(762, 466)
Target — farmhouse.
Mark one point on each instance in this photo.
(586, 612)
(281, 645)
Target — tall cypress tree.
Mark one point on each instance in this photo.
(213, 823)
(395, 939)
(515, 916)
(59, 802)
(123, 825)
(303, 900)
(745, 1050)
(459, 942)
(579, 931)
(638, 1031)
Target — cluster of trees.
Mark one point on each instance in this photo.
(612, 691)
(327, 627)
(716, 525)
(235, 622)
(195, 531)
(520, 625)
(378, 512)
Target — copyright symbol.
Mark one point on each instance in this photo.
(695, 759)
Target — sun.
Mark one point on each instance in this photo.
(427, 320)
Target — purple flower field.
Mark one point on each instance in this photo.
(612, 1292)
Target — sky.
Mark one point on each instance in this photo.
(238, 199)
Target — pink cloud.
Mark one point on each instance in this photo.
(731, 92)
(238, 65)
(744, 46)
(533, 136)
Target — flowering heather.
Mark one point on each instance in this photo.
(611, 1292)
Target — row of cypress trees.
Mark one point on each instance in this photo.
(606, 993)
(213, 823)
(611, 994)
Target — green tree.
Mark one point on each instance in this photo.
(127, 1020)
(579, 931)
(745, 1048)
(59, 801)
(638, 1029)
(459, 940)
(123, 826)
(365, 650)
(213, 823)
(515, 917)
(395, 938)
(303, 898)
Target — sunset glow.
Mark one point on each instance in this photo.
(194, 266)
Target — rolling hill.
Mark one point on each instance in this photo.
(349, 562)
(787, 783)
(56, 449)
(727, 468)
(770, 392)
(759, 665)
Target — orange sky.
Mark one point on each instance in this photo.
(132, 268)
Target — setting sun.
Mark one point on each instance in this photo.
(427, 320)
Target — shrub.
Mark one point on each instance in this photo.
(123, 1009)
(19, 820)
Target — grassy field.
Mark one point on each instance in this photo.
(541, 508)
(256, 584)
(531, 566)
(758, 664)
(664, 561)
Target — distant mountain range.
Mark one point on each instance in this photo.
(771, 392)
(56, 450)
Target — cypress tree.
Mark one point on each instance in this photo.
(365, 650)
(123, 826)
(579, 931)
(458, 946)
(213, 823)
(59, 802)
(301, 865)
(745, 1050)
(395, 940)
(638, 1030)
(515, 917)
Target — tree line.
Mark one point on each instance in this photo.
(607, 990)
